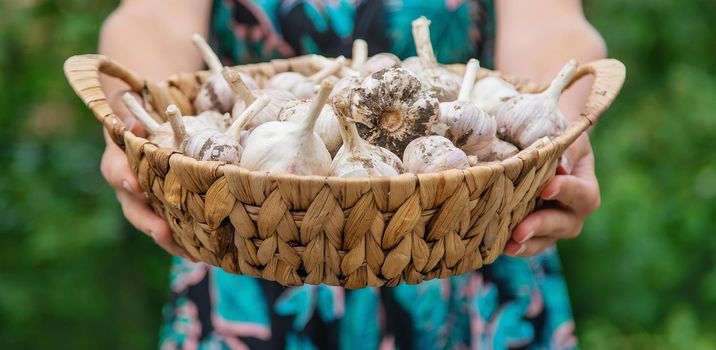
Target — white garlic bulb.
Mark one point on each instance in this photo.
(281, 147)
(440, 80)
(300, 85)
(162, 134)
(412, 64)
(524, 118)
(214, 93)
(327, 126)
(390, 108)
(212, 144)
(429, 154)
(379, 62)
(491, 92)
(358, 158)
(245, 97)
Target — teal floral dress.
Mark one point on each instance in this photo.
(515, 303)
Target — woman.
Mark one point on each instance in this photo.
(517, 302)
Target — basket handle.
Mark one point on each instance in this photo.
(609, 75)
(82, 72)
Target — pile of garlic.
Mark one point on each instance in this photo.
(378, 116)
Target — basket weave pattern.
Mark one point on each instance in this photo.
(311, 229)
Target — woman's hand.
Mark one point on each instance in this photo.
(570, 197)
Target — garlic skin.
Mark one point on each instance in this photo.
(379, 62)
(212, 144)
(430, 154)
(357, 158)
(327, 125)
(215, 93)
(412, 64)
(302, 86)
(163, 134)
(281, 147)
(244, 97)
(390, 108)
(440, 80)
(524, 118)
(359, 54)
(490, 93)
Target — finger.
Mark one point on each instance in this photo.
(531, 247)
(578, 194)
(141, 216)
(116, 171)
(556, 223)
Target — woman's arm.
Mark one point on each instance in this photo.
(153, 38)
(535, 38)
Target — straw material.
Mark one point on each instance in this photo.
(310, 229)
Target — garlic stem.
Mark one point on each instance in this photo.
(249, 113)
(360, 53)
(149, 124)
(330, 69)
(423, 45)
(238, 86)
(209, 56)
(314, 110)
(468, 81)
(562, 80)
(349, 134)
(175, 120)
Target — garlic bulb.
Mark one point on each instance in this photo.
(524, 118)
(412, 64)
(214, 93)
(212, 144)
(162, 134)
(244, 97)
(491, 92)
(365, 65)
(358, 158)
(295, 148)
(302, 86)
(429, 154)
(443, 82)
(327, 126)
(470, 128)
(391, 108)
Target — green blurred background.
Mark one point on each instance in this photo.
(74, 275)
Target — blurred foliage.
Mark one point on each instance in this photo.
(74, 275)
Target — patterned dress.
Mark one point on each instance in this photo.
(515, 303)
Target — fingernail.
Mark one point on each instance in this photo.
(521, 250)
(126, 186)
(553, 195)
(528, 236)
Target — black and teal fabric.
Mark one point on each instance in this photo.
(515, 303)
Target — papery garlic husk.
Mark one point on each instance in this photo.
(490, 93)
(440, 80)
(359, 54)
(524, 118)
(412, 64)
(300, 85)
(327, 125)
(358, 158)
(390, 108)
(500, 150)
(285, 147)
(348, 82)
(222, 146)
(244, 97)
(215, 93)
(469, 128)
(379, 62)
(162, 134)
(430, 154)
(215, 120)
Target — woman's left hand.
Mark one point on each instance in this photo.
(569, 198)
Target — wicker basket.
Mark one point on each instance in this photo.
(311, 229)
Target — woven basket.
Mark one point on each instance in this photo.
(353, 232)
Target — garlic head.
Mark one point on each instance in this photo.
(491, 92)
(327, 125)
(429, 154)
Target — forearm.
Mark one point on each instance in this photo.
(535, 38)
(153, 38)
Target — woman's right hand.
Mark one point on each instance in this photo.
(135, 206)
